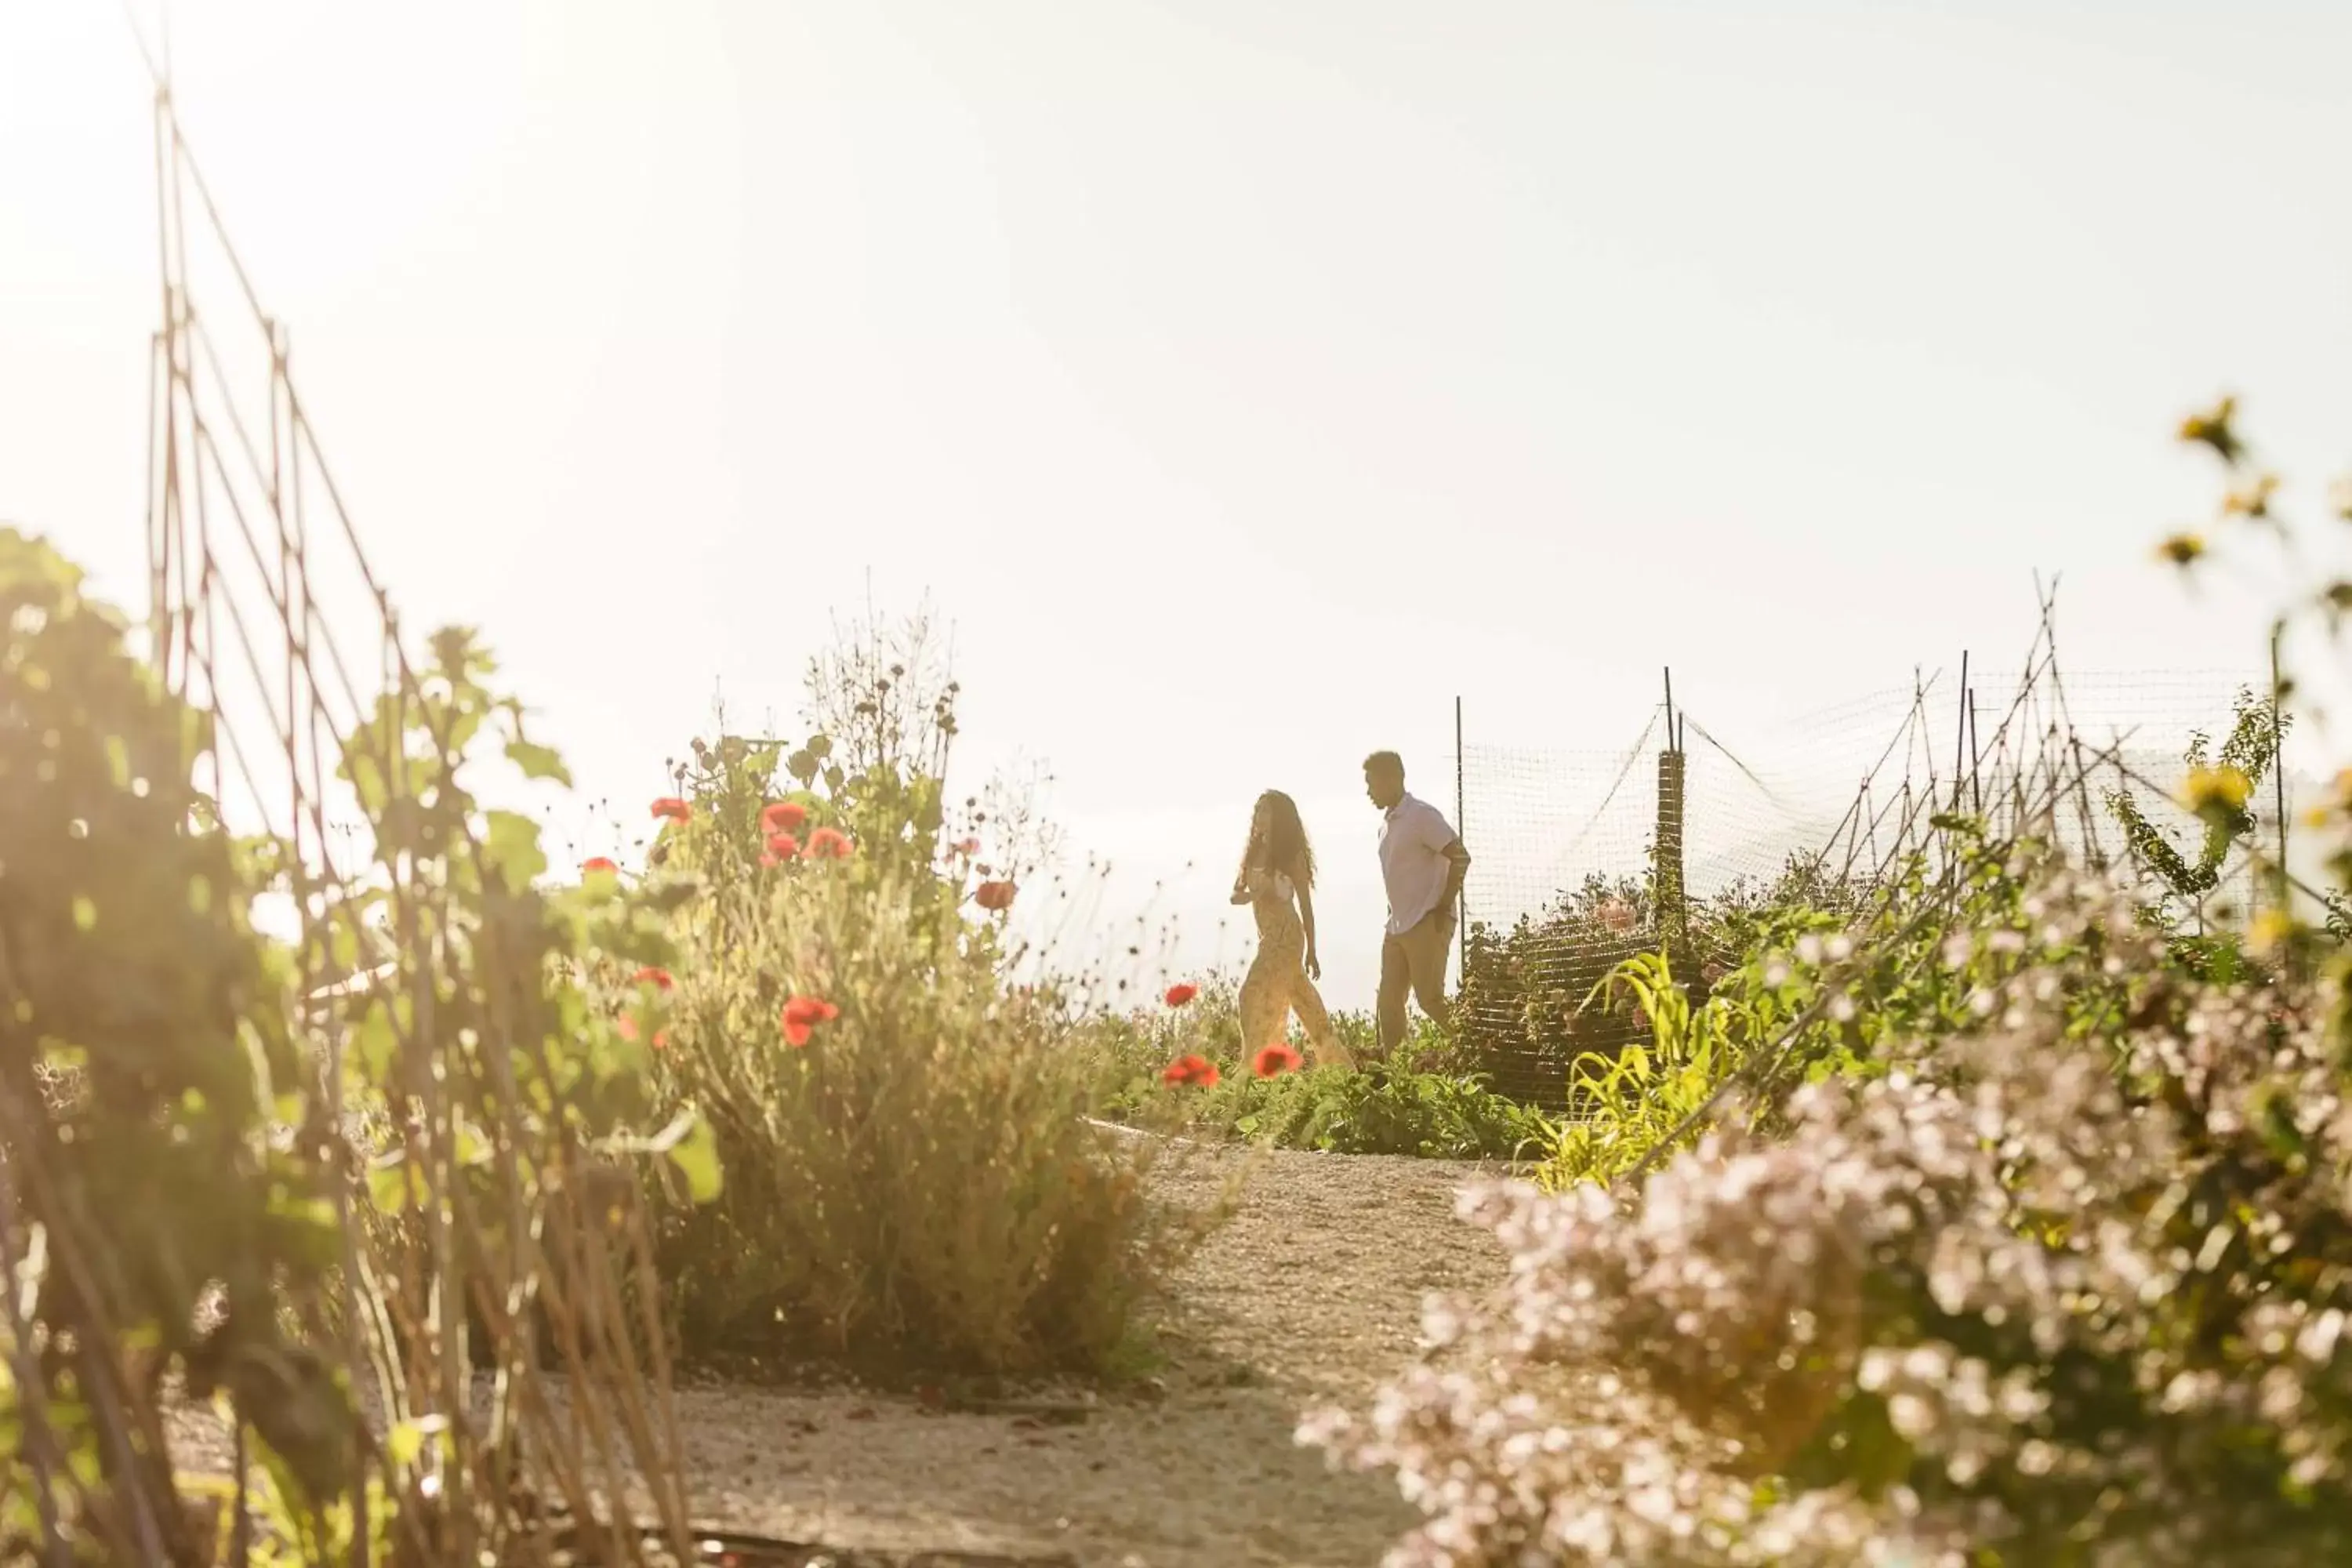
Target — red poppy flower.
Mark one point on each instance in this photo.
(627, 1030)
(994, 897)
(782, 847)
(829, 843)
(967, 848)
(1180, 994)
(783, 816)
(659, 978)
(1194, 1069)
(670, 806)
(1274, 1060)
(803, 1014)
(595, 864)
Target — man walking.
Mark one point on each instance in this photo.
(1422, 864)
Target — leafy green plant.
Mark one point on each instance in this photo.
(1379, 1108)
(912, 1180)
(1626, 1104)
(493, 1137)
(2221, 791)
(146, 1043)
(1822, 995)
(213, 1166)
(1404, 1105)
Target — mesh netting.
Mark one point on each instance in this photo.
(1577, 852)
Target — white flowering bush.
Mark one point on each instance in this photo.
(2066, 1283)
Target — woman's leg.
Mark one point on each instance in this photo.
(1323, 1047)
(1264, 1005)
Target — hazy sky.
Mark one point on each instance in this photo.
(1243, 380)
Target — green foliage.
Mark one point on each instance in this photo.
(146, 1041)
(498, 1074)
(914, 1183)
(1623, 1106)
(177, 1192)
(1820, 994)
(516, 1027)
(1408, 1105)
(2220, 790)
(1379, 1108)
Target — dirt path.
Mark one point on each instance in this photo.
(1310, 1293)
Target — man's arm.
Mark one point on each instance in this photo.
(1439, 835)
(1306, 920)
(1457, 871)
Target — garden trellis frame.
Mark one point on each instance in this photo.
(265, 615)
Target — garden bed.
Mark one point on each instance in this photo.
(1310, 1292)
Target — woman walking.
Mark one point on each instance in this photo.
(1277, 881)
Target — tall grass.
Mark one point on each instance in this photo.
(912, 1181)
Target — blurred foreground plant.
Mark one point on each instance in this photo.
(2036, 1295)
(317, 1181)
(2048, 1262)
(146, 1042)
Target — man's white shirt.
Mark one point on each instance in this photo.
(1413, 838)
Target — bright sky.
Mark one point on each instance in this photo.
(1244, 381)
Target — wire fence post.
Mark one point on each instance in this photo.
(2278, 780)
(1976, 756)
(1960, 738)
(1667, 874)
(1461, 830)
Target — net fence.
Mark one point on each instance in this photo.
(1579, 852)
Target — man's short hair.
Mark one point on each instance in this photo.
(1384, 763)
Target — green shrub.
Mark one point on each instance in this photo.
(911, 1178)
(177, 1195)
(1380, 1108)
(1401, 1106)
(1820, 996)
(146, 1041)
(1624, 1105)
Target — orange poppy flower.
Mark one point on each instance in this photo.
(1274, 1060)
(627, 1030)
(802, 1015)
(994, 897)
(829, 843)
(597, 863)
(1196, 1069)
(675, 809)
(783, 816)
(660, 979)
(1180, 994)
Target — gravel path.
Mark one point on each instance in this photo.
(1310, 1293)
